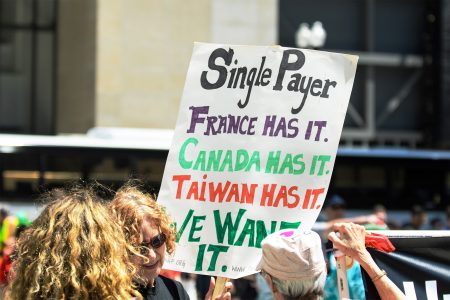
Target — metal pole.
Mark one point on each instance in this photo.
(370, 72)
(33, 77)
(54, 105)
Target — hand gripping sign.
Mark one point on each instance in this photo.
(253, 151)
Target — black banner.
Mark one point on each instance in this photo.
(419, 265)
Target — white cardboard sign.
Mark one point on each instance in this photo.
(253, 151)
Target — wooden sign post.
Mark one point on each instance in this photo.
(220, 286)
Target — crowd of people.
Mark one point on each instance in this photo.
(335, 211)
(83, 247)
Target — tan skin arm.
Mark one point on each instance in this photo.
(351, 242)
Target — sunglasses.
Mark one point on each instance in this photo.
(155, 243)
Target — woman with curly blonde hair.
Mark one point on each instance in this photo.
(73, 250)
(149, 231)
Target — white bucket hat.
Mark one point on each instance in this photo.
(292, 254)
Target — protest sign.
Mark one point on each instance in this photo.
(253, 150)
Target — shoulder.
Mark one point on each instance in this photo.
(173, 285)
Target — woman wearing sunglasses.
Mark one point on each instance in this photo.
(148, 229)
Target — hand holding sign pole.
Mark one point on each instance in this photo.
(253, 150)
(219, 288)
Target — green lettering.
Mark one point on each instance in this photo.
(227, 161)
(249, 229)
(227, 225)
(287, 164)
(323, 159)
(216, 249)
(200, 161)
(183, 226)
(185, 164)
(200, 256)
(288, 225)
(298, 161)
(254, 160)
(272, 162)
(195, 228)
(261, 232)
(214, 159)
(241, 160)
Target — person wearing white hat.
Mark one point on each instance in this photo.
(293, 265)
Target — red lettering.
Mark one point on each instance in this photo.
(217, 190)
(181, 179)
(268, 194)
(316, 193)
(234, 192)
(248, 194)
(282, 195)
(306, 199)
(193, 191)
(293, 193)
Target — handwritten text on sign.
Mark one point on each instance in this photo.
(253, 150)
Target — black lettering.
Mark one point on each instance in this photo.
(326, 87)
(317, 83)
(227, 56)
(285, 65)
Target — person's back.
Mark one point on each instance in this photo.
(73, 250)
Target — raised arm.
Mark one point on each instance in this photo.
(351, 242)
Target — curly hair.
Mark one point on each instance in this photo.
(131, 206)
(73, 250)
